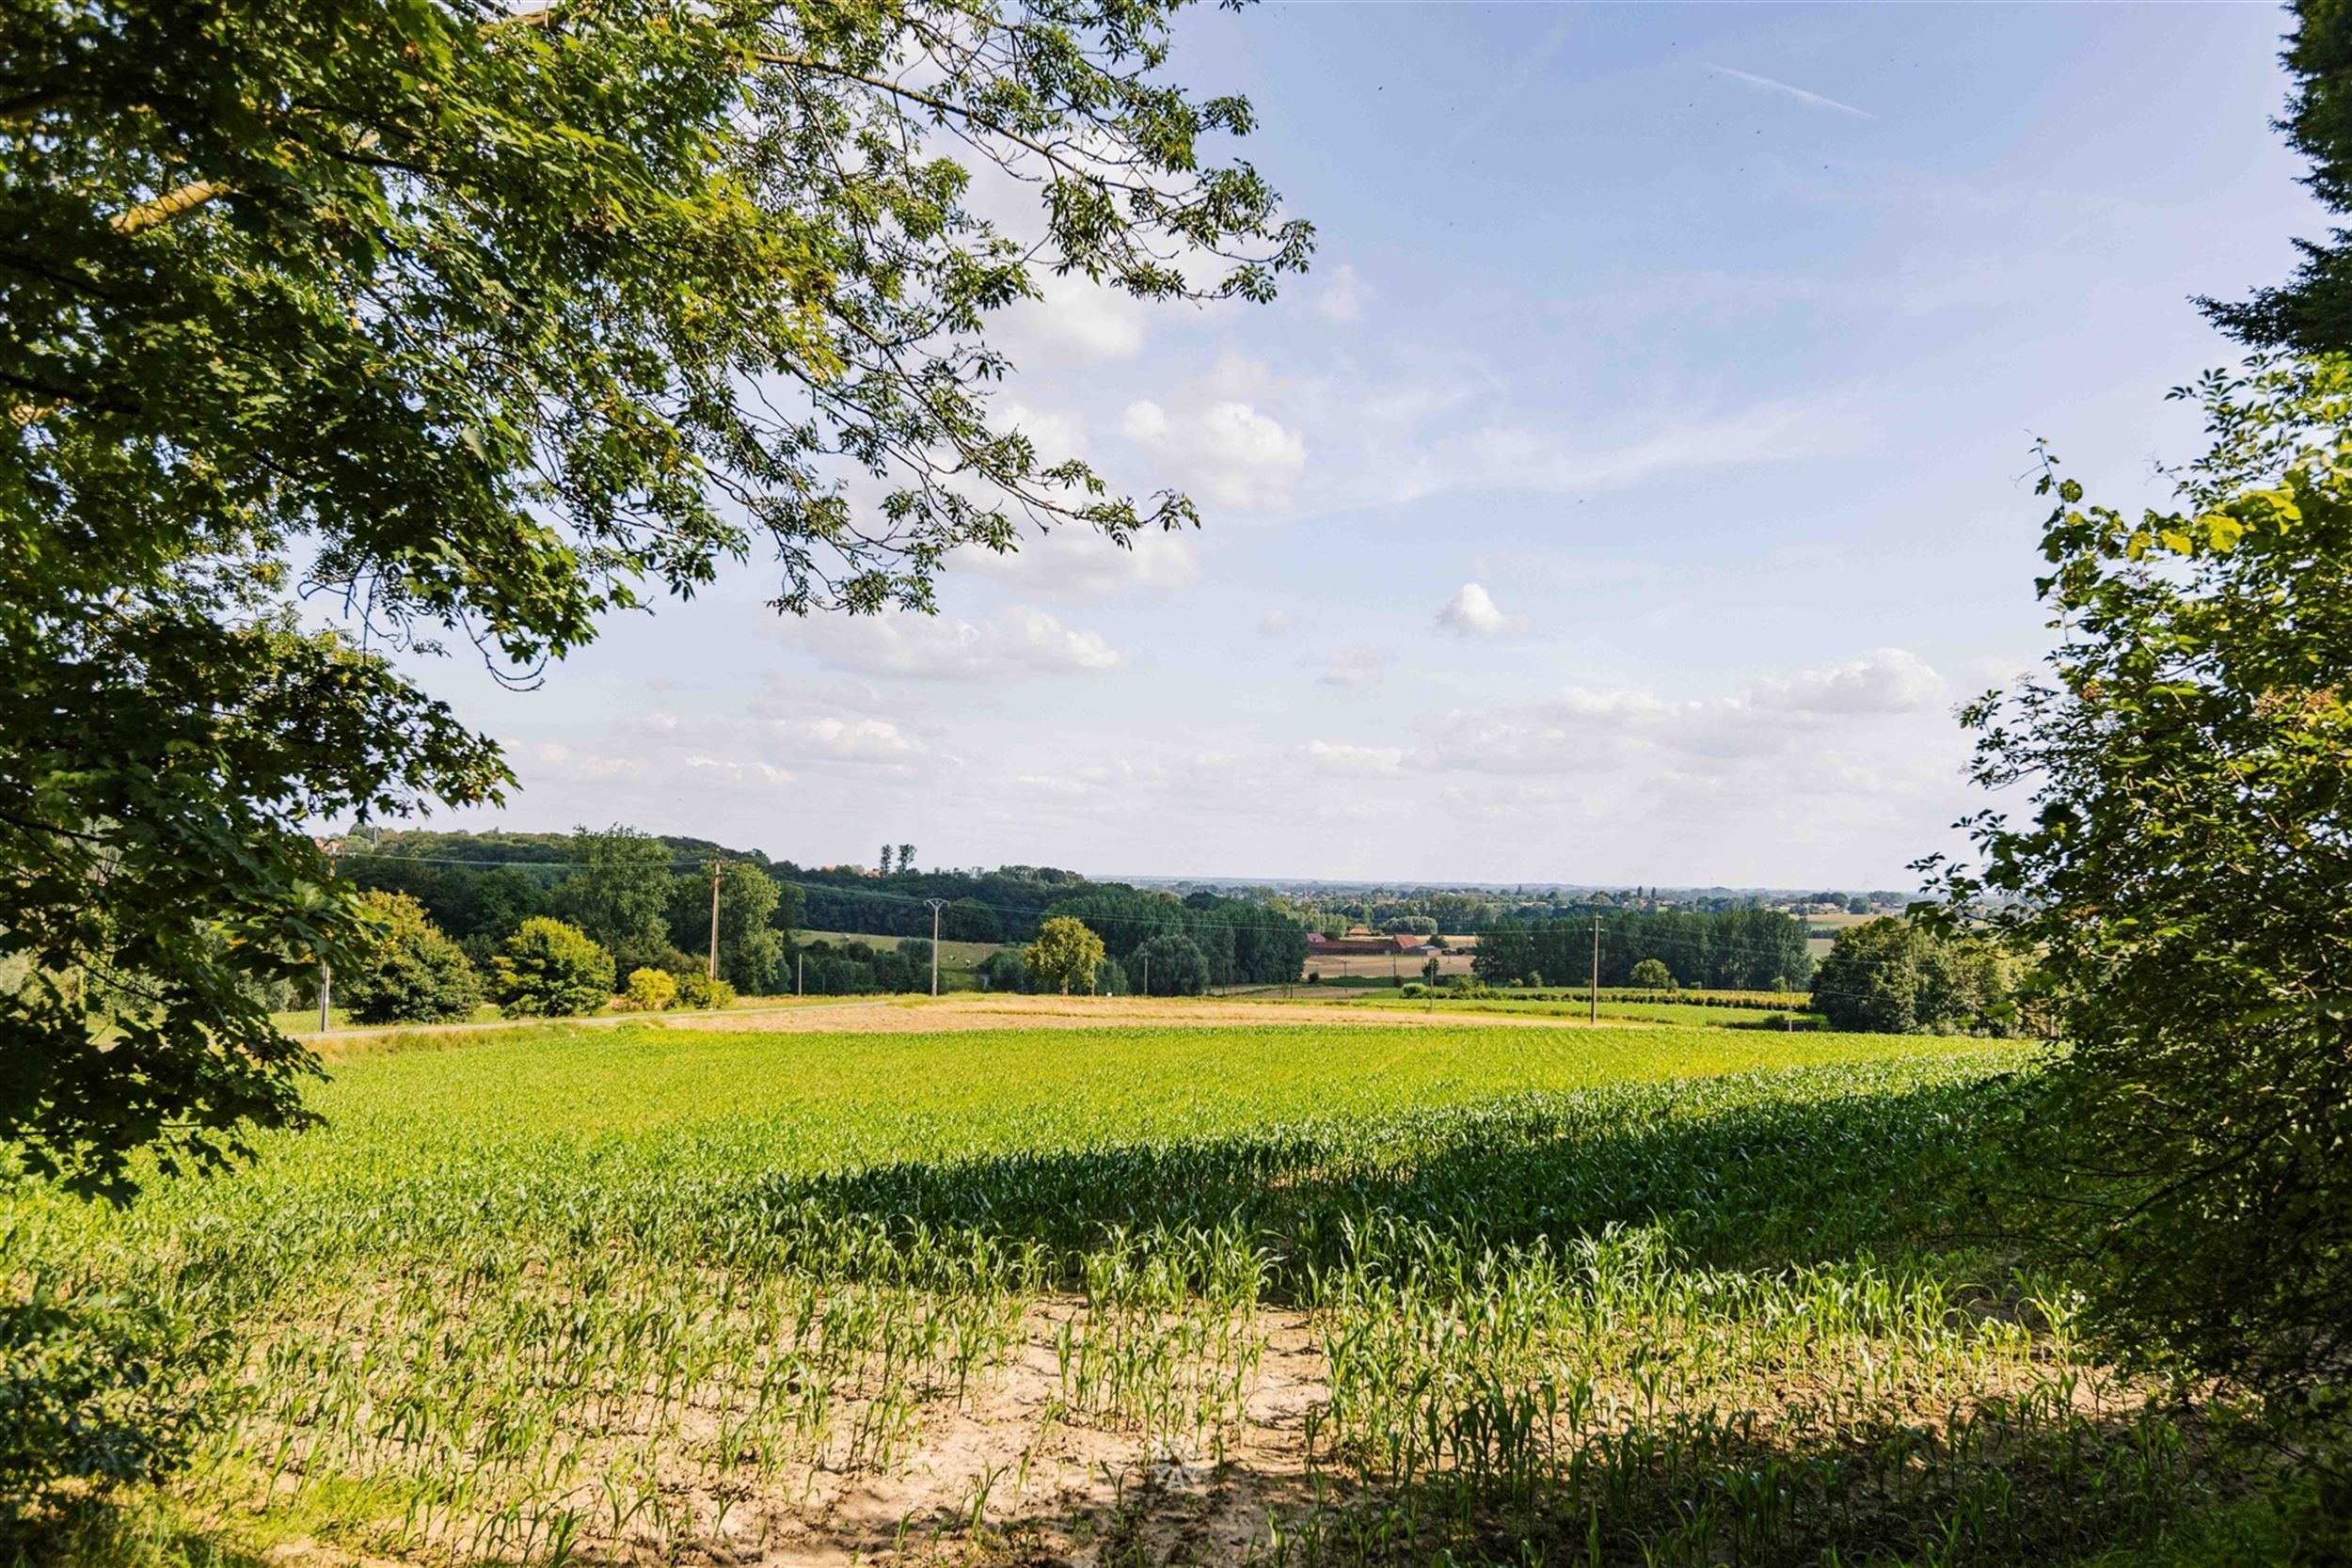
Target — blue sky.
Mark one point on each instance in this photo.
(1628, 495)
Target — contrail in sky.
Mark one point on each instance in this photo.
(1813, 98)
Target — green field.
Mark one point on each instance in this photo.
(1338, 1293)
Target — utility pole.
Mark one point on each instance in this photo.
(714, 918)
(1146, 974)
(800, 973)
(333, 846)
(1594, 995)
(936, 904)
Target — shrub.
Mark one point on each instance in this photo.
(551, 970)
(696, 988)
(1653, 974)
(1414, 988)
(95, 1398)
(411, 972)
(649, 990)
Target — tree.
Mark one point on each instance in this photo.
(1430, 968)
(1065, 954)
(887, 854)
(1411, 926)
(906, 857)
(1650, 975)
(750, 947)
(551, 970)
(619, 894)
(1897, 976)
(409, 972)
(1170, 964)
(2179, 878)
(490, 324)
(2313, 313)
(649, 990)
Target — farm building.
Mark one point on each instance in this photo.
(1361, 943)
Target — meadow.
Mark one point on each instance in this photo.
(1282, 1293)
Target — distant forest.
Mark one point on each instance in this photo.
(1736, 949)
(479, 887)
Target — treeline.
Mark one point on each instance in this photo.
(1734, 949)
(1240, 942)
(646, 900)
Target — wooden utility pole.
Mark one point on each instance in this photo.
(333, 846)
(1594, 995)
(714, 918)
(936, 904)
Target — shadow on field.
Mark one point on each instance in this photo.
(1742, 1171)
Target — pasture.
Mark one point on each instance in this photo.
(1272, 1285)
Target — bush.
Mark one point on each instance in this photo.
(1652, 975)
(1414, 988)
(92, 1396)
(649, 990)
(551, 970)
(698, 990)
(411, 972)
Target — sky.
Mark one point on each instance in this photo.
(1628, 494)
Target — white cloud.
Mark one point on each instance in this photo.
(1228, 452)
(1345, 296)
(1473, 612)
(1887, 680)
(1361, 666)
(1276, 622)
(1014, 643)
(1077, 321)
(1520, 458)
(1340, 760)
(843, 740)
(1073, 563)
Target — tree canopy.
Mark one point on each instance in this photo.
(2311, 312)
(479, 324)
(2180, 873)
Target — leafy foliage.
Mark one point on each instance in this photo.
(410, 971)
(696, 988)
(2313, 313)
(1896, 976)
(551, 970)
(1169, 965)
(1064, 957)
(94, 1394)
(2182, 878)
(1738, 949)
(649, 990)
(495, 322)
(1651, 974)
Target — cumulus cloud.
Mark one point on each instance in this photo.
(1014, 643)
(1076, 320)
(1886, 680)
(1340, 760)
(1343, 297)
(1580, 730)
(842, 739)
(1225, 451)
(1360, 666)
(1072, 564)
(1473, 612)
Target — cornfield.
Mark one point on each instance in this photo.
(1281, 1295)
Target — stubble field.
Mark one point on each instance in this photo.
(1186, 1289)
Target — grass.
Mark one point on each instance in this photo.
(1639, 1295)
